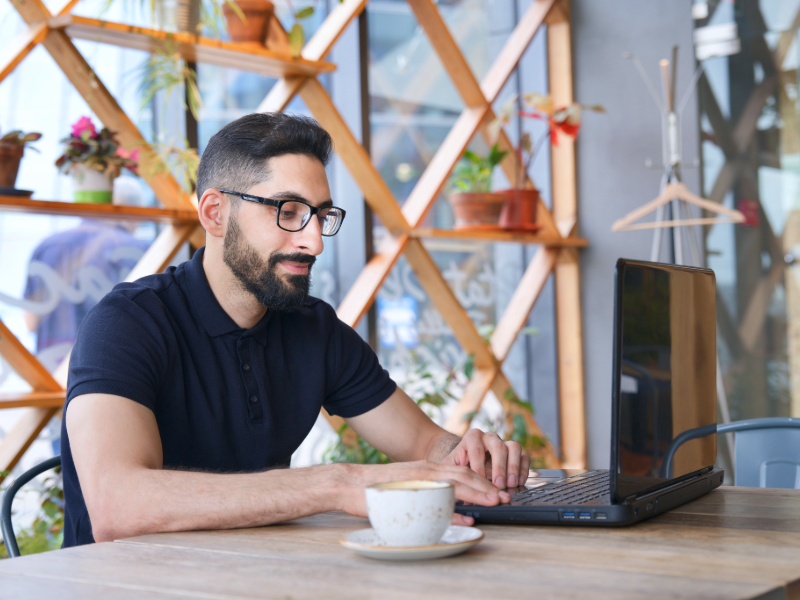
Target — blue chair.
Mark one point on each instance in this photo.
(767, 451)
(9, 536)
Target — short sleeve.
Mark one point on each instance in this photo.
(120, 350)
(359, 383)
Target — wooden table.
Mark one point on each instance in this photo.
(732, 543)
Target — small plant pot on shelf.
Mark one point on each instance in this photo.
(477, 210)
(519, 210)
(10, 157)
(253, 28)
(90, 186)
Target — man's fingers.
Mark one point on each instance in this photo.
(513, 464)
(524, 468)
(462, 520)
(499, 453)
(477, 453)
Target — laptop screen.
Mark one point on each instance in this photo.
(665, 370)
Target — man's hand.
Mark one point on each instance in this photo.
(469, 486)
(502, 463)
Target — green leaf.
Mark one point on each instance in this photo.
(469, 416)
(304, 13)
(296, 39)
(469, 365)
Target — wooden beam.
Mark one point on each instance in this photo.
(22, 435)
(459, 419)
(362, 294)
(67, 8)
(567, 266)
(569, 334)
(514, 48)
(15, 51)
(746, 126)
(430, 19)
(245, 57)
(32, 399)
(559, 56)
(162, 251)
(355, 158)
(198, 237)
(281, 94)
(24, 363)
(332, 28)
(96, 211)
(522, 302)
(464, 330)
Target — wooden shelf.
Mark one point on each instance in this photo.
(95, 211)
(487, 235)
(191, 47)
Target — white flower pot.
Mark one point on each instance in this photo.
(91, 186)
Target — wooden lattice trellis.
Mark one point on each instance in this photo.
(558, 235)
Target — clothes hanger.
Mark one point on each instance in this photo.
(677, 189)
(674, 188)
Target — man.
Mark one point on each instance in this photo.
(188, 388)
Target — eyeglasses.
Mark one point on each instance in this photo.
(293, 215)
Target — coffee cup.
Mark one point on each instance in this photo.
(410, 513)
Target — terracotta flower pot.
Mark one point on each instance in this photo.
(253, 29)
(477, 210)
(10, 156)
(519, 211)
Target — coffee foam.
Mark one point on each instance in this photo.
(419, 484)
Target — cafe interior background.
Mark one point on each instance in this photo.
(395, 95)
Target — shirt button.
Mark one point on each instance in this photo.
(246, 367)
(253, 399)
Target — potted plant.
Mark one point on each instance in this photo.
(94, 159)
(249, 24)
(519, 211)
(12, 147)
(474, 204)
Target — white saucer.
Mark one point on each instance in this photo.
(455, 540)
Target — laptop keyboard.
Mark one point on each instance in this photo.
(575, 490)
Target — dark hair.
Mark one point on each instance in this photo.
(237, 156)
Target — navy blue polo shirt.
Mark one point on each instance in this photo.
(225, 399)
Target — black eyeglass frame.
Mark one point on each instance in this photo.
(279, 203)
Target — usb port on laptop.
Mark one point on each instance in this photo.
(585, 515)
(569, 515)
(600, 516)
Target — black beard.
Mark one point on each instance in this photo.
(284, 294)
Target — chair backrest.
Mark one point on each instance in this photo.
(9, 537)
(767, 452)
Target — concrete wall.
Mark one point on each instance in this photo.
(612, 148)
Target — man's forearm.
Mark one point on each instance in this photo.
(151, 500)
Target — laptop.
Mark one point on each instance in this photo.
(664, 410)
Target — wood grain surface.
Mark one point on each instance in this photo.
(732, 543)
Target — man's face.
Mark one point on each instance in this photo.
(272, 264)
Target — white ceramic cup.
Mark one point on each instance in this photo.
(411, 513)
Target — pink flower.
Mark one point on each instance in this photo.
(132, 155)
(84, 129)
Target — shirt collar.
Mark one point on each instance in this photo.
(214, 319)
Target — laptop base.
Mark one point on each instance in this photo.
(599, 512)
